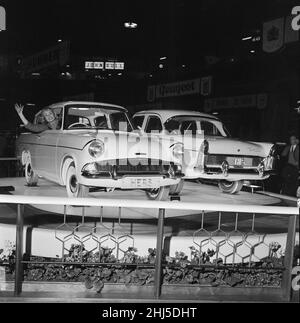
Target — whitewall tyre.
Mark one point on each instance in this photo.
(30, 176)
(75, 189)
(230, 187)
(158, 194)
(176, 189)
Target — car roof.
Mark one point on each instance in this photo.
(108, 105)
(166, 114)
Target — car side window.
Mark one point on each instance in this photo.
(189, 126)
(209, 128)
(153, 124)
(58, 114)
(138, 121)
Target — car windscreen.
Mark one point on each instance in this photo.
(188, 124)
(96, 117)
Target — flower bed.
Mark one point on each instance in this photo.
(94, 269)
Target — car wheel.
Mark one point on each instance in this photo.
(158, 194)
(176, 189)
(30, 176)
(230, 187)
(75, 189)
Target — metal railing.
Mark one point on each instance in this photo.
(203, 237)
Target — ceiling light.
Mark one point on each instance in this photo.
(163, 58)
(161, 65)
(130, 25)
(247, 38)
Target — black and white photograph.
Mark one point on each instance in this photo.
(149, 154)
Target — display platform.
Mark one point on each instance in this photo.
(192, 192)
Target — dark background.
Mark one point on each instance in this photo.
(188, 32)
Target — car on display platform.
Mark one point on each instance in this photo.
(229, 161)
(96, 146)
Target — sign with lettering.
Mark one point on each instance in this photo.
(173, 89)
(290, 34)
(95, 65)
(244, 101)
(2, 18)
(206, 85)
(56, 55)
(273, 34)
(109, 65)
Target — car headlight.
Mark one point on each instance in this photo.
(96, 148)
(177, 150)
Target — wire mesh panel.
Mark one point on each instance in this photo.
(91, 239)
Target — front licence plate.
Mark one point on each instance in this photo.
(238, 161)
(141, 182)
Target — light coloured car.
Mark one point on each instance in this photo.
(228, 160)
(96, 146)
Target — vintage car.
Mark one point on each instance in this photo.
(96, 146)
(222, 158)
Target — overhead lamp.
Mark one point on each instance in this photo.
(247, 38)
(163, 58)
(130, 25)
(59, 40)
(161, 65)
(252, 51)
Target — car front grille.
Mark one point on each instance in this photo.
(136, 166)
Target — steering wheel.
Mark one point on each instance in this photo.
(78, 124)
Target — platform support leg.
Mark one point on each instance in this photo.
(289, 258)
(159, 253)
(19, 250)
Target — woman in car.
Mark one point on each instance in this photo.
(52, 122)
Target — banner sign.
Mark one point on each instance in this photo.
(2, 19)
(195, 86)
(56, 55)
(278, 32)
(245, 101)
(273, 34)
(91, 65)
(206, 85)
